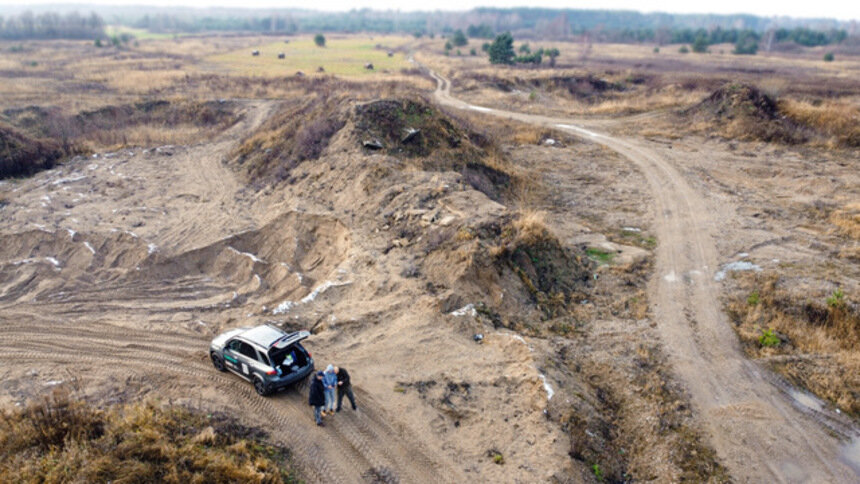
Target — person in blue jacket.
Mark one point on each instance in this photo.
(330, 383)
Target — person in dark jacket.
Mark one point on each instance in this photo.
(344, 387)
(316, 398)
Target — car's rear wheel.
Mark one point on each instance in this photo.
(217, 362)
(261, 387)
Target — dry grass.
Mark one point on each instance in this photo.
(147, 135)
(837, 120)
(847, 220)
(819, 332)
(60, 439)
(530, 227)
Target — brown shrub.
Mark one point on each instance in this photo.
(59, 439)
(22, 155)
(839, 121)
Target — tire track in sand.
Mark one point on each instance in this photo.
(354, 445)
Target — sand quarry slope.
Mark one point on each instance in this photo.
(116, 271)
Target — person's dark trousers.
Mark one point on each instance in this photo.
(348, 392)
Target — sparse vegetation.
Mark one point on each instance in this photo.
(819, 334)
(828, 57)
(768, 339)
(753, 298)
(836, 300)
(597, 471)
(319, 40)
(598, 255)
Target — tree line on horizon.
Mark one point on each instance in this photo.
(481, 23)
(50, 25)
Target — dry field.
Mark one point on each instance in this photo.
(639, 238)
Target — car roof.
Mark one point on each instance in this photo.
(263, 335)
(268, 336)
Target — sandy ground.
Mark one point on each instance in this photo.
(758, 430)
(117, 270)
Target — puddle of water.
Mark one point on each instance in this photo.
(736, 266)
(806, 400)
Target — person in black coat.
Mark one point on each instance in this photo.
(316, 397)
(344, 387)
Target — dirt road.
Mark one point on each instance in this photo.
(759, 431)
(116, 271)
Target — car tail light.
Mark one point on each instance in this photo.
(271, 372)
(309, 354)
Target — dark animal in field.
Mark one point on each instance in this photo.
(255, 52)
(281, 55)
(368, 66)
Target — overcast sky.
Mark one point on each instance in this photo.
(839, 9)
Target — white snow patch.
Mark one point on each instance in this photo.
(287, 305)
(739, 266)
(89, 246)
(129, 232)
(743, 255)
(68, 180)
(93, 166)
(53, 261)
(547, 387)
(53, 383)
(248, 255)
(468, 309)
(631, 229)
(258, 279)
(670, 277)
(152, 248)
(283, 307)
(71, 233)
